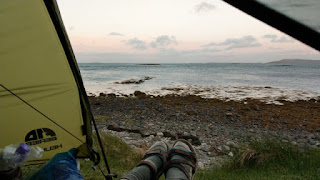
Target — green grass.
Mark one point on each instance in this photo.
(264, 160)
(268, 159)
(121, 158)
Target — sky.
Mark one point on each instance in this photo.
(173, 31)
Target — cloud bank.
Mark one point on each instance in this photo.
(137, 44)
(163, 41)
(234, 43)
(274, 38)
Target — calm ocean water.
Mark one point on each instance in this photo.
(99, 77)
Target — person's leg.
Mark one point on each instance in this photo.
(151, 164)
(182, 162)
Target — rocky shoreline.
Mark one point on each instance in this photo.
(214, 126)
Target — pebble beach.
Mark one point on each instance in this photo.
(215, 126)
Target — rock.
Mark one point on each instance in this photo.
(145, 133)
(225, 148)
(205, 147)
(191, 112)
(232, 144)
(168, 134)
(195, 140)
(102, 94)
(312, 142)
(294, 143)
(302, 141)
(115, 127)
(140, 94)
(111, 95)
(160, 134)
(200, 165)
(311, 146)
(230, 154)
(311, 136)
(140, 144)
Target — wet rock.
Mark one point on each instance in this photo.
(139, 94)
(112, 95)
(102, 94)
(134, 81)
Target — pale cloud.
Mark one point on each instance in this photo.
(163, 41)
(204, 7)
(115, 34)
(274, 38)
(234, 43)
(270, 36)
(137, 44)
(283, 39)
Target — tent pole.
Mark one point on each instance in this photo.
(109, 176)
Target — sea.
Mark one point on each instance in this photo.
(212, 80)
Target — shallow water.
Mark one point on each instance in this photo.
(100, 77)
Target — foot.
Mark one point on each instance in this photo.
(151, 164)
(182, 161)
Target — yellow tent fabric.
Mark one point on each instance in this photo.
(36, 67)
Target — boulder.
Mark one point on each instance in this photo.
(139, 94)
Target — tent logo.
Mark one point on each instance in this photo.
(39, 136)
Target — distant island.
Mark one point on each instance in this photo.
(295, 61)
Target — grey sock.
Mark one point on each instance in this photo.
(143, 172)
(175, 173)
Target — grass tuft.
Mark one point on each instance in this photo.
(268, 159)
(121, 158)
